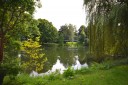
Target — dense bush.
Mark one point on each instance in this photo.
(69, 73)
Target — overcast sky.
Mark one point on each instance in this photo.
(61, 12)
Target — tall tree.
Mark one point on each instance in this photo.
(12, 13)
(48, 32)
(107, 27)
(63, 32)
(82, 34)
(71, 32)
(68, 32)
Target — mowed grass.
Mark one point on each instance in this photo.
(115, 76)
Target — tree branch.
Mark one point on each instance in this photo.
(2, 20)
(12, 15)
(15, 22)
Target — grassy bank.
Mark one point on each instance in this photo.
(117, 75)
(67, 44)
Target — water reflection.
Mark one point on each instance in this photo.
(66, 56)
(58, 66)
(78, 65)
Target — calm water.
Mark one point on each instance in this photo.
(63, 57)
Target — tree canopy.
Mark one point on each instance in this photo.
(13, 13)
(48, 32)
(107, 24)
(82, 34)
(68, 32)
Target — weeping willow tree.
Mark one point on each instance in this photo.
(108, 27)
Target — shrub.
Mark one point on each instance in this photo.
(10, 67)
(69, 73)
(101, 66)
(53, 76)
(33, 58)
(83, 71)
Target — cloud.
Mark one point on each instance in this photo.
(60, 12)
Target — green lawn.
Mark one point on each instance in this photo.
(114, 76)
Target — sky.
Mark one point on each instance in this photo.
(61, 12)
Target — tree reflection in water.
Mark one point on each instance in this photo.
(58, 66)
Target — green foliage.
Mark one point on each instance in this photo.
(97, 66)
(69, 73)
(114, 76)
(53, 76)
(107, 28)
(67, 33)
(94, 66)
(105, 72)
(60, 40)
(15, 16)
(48, 32)
(33, 55)
(10, 66)
(15, 20)
(24, 79)
(50, 44)
(82, 35)
(63, 32)
(71, 32)
(83, 71)
(71, 44)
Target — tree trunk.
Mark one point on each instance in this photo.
(1, 78)
(1, 47)
(1, 57)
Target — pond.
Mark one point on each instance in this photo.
(63, 57)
